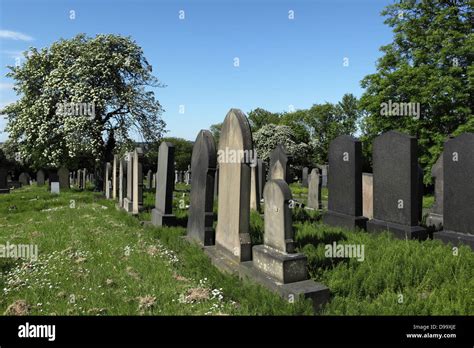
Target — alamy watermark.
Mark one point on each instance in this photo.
(76, 109)
(335, 250)
(24, 251)
(237, 156)
(400, 109)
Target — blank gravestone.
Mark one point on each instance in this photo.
(304, 180)
(203, 167)
(162, 214)
(127, 201)
(254, 188)
(108, 182)
(115, 178)
(284, 269)
(148, 179)
(458, 202)
(122, 181)
(3, 180)
(24, 178)
(40, 177)
(345, 184)
(279, 163)
(84, 178)
(232, 232)
(137, 181)
(63, 177)
(396, 186)
(314, 190)
(262, 176)
(368, 195)
(435, 218)
(54, 182)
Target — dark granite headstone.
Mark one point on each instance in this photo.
(63, 177)
(304, 180)
(203, 167)
(396, 186)
(458, 202)
(40, 177)
(24, 178)
(162, 214)
(3, 180)
(345, 184)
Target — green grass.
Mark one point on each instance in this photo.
(97, 260)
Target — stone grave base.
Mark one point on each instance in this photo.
(318, 293)
(400, 231)
(350, 222)
(455, 238)
(160, 219)
(127, 205)
(435, 220)
(285, 268)
(3, 191)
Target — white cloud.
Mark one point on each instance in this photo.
(14, 35)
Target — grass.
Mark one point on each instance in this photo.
(96, 260)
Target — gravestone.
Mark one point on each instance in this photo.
(203, 166)
(279, 163)
(345, 184)
(254, 188)
(232, 232)
(162, 214)
(314, 190)
(458, 198)
(137, 181)
(148, 179)
(122, 181)
(176, 177)
(24, 178)
(3, 180)
(80, 184)
(153, 183)
(108, 181)
(396, 186)
(304, 180)
(115, 178)
(55, 187)
(216, 182)
(63, 177)
(128, 199)
(277, 256)
(40, 177)
(262, 176)
(435, 218)
(367, 195)
(323, 169)
(84, 178)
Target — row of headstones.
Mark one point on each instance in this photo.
(183, 176)
(397, 184)
(124, 181)
(81, 178)
(57, 179)
(307, 174)
(239, 181)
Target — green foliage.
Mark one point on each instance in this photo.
(108, 74)
(429, 62)
(182, 154)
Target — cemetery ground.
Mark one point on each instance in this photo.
(96, 260)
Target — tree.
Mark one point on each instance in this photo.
(216, 131)
(183, 150)
(270, 135)
(261, 117)
(81, 96)
(429, 63)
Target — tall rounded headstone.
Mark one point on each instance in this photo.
(235, 146)
(203, 167)
(40, 177)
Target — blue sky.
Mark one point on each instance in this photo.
(284, 62)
